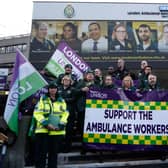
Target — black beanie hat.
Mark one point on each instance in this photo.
(52, 85)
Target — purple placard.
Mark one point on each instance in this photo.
(71, 55)
(120, 94)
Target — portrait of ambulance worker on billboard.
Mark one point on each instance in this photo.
(163, 38)
(120, 37)
(69, 35)
(97, 41)
(146, 36)
(40, 41)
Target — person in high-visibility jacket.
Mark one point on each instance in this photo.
(51, 117)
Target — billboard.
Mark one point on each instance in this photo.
(101, 32)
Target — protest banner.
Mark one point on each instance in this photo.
(132, 120)
(65, 55)
(26, 80)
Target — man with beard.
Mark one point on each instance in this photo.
(152, 83)
(144, 78)
(146, 43)
(121, 69)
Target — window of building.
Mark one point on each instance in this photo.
(12, 48)
(2, 50)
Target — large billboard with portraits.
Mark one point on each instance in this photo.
(101, 32)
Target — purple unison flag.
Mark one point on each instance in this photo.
(25, 81)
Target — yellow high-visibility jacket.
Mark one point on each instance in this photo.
(44, 108)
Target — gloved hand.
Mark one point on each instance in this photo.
(61, 126)
(50, 127)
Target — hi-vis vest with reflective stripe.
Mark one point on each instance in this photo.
(44, 108)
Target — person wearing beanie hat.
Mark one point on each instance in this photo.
(51, 117)
(68, 71)
(52, 85)
(68, 66)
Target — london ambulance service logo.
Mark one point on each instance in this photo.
(69, 11)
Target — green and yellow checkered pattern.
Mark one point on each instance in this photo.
(126, 105)
(125, 139)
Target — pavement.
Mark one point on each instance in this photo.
(125, 164)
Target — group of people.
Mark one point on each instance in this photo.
(95, 41)
(63, 103)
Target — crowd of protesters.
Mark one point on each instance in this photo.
(74, 91)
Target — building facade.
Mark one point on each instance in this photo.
(8, 47)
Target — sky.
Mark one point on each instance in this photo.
(16, 15)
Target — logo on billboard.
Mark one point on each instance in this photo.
(69, 11)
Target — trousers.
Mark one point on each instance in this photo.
(45, 144)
